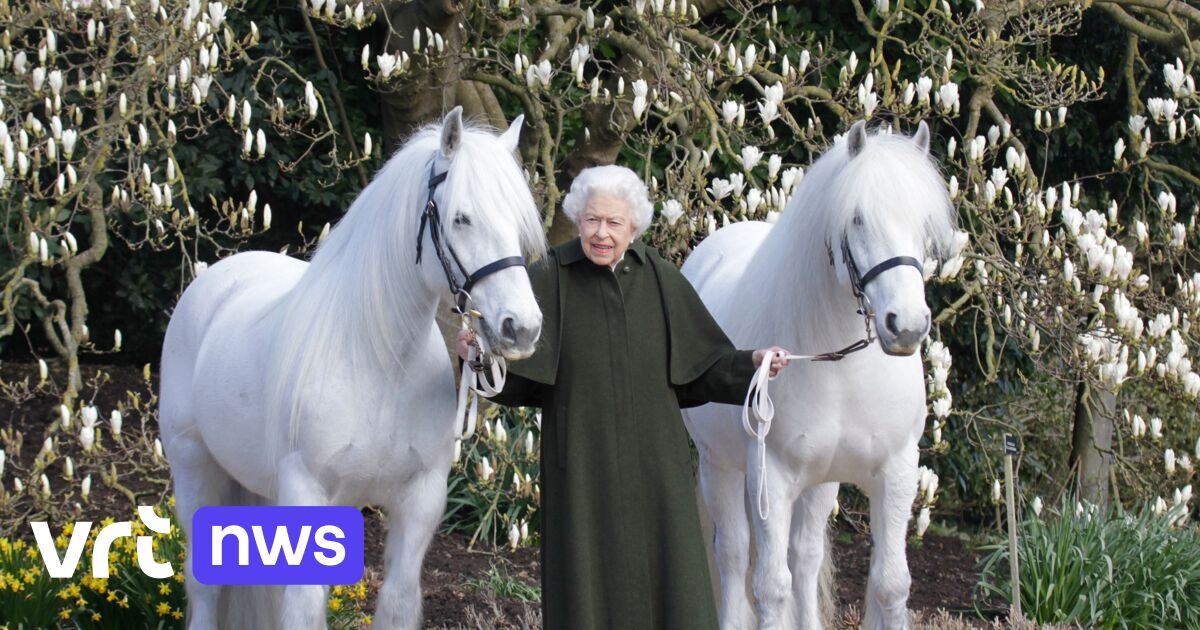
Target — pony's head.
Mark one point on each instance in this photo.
(486, 221)
(887, 209)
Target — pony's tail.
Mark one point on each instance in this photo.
(249, 607)
(826, 600)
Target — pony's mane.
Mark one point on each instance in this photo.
(899, 196)
(360, 303)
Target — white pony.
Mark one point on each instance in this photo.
(328, 383)
(861, 220)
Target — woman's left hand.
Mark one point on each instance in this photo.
(778, 361)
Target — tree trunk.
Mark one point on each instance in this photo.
(1091, 442)
(420, 96)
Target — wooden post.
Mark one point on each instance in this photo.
(1011, 450)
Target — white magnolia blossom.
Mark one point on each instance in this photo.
(87, 437)
(1159, 325)
(729, 111)
(738, 182)
(640, 90)
(1136, 124)
(1178, 235)
(927, 485)
(749, 57)
(948, 97)
(951, 267)
(750, 157)
(1138, 427)
(483, 469)
(753, 199)
(386, 63)
(924, 86)
(1162, 108)
(922, 521)
(720, 188)
(774, 163)
(672, 210)
(768, 107)
(1177, 80)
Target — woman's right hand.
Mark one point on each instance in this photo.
(465, 338)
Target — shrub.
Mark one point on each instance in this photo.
(493, 490)
(1104, 569)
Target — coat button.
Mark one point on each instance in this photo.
(624, 269)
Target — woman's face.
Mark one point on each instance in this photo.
(605, 228)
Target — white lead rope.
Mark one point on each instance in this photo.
(759, 404)
(473, 380)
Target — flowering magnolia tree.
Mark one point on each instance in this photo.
(111, 112)
(1065, 310)
(103, 105)
(1071, 162)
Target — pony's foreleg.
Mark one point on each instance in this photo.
(723, 490)
(772, 580)
(892, 491)
(412, 520)
(303, 605)
(807, 557)
(199, 481)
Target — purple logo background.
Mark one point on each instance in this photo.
(308, 569)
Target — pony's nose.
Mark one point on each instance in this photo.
(890, 322)
(517, 334)
(905, 334)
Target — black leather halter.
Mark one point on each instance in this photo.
(859, 281)
(446, 254)
(858, 284)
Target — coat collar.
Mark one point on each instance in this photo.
(571, 252)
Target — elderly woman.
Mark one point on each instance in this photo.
(625, 343)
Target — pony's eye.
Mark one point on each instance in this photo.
(462, 219)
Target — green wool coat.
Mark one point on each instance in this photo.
(621, 351)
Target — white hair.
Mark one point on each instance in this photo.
(614, 180)
(353, 305)
(890, 186)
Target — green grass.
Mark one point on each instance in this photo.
(502, 585)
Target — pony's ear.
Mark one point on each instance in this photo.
(452, 131)
(856, 138)
(512, 136)
(921, 138)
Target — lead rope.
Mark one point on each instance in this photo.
(763, 410)
(759, 405)
(474, 380)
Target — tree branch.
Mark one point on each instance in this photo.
(363, 180)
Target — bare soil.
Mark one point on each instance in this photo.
(944, 569)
